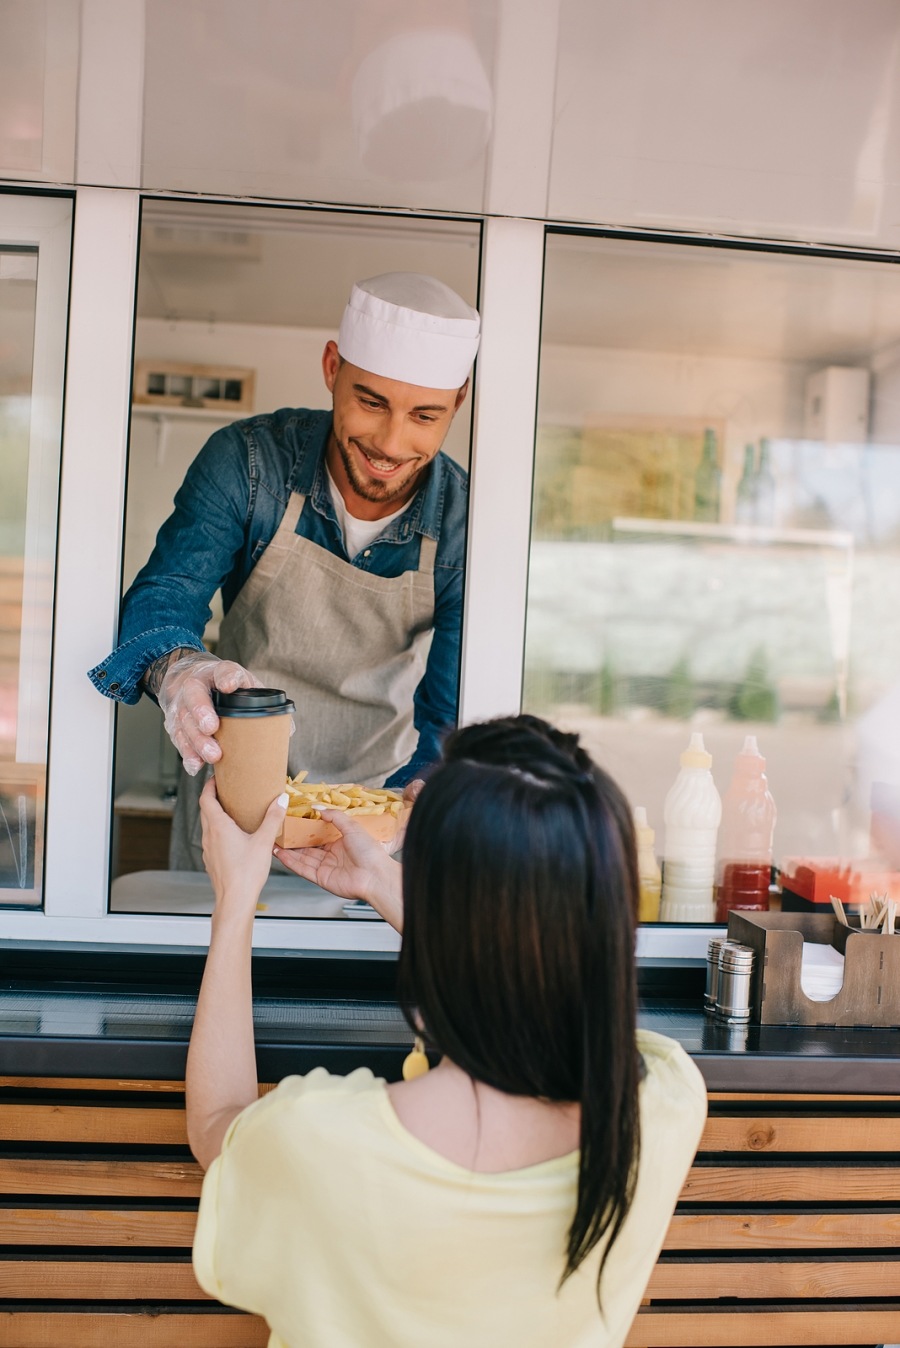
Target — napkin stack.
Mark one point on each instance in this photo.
(822, 972)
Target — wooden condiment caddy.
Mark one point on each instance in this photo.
(870, 994)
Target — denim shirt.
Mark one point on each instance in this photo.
(226, 512)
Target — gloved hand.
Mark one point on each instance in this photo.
(184, 697)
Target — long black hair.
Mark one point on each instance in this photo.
(520, 896)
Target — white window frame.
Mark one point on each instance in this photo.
(95, 447)
(80, 787)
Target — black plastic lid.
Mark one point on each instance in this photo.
(252, 702)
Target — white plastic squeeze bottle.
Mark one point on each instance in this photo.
(649, 876)
(692, 813)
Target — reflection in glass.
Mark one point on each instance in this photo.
(716, 533)
(377, 102)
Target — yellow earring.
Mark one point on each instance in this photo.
(415, 1064)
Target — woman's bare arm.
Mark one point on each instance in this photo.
(221, 1066)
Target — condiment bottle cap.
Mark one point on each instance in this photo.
(751, 750)
(645, 833)
(695, 755)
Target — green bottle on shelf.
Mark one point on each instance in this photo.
(765, 486)
(708, 482)
(745, 501)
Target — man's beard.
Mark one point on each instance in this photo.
(370, 489)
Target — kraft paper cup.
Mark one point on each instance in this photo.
(253, 734)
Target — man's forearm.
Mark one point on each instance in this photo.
(151, 680)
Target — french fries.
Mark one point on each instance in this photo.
(378, 810)
(306, 799)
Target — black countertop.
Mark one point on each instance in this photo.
(145, 1035)
(127, 1014)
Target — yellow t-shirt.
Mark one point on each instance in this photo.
(327, 1217)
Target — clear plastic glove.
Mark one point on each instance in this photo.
(185, 698)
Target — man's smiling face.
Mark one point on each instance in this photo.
(385, 434)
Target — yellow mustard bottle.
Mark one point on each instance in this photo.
(649, 875)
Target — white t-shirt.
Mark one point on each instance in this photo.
(358, 534)
(325, 1216)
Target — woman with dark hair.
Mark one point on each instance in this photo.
(519, 1193)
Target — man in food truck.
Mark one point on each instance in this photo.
(338, 541)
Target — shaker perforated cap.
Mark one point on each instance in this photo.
(410, 327)
(696, 755)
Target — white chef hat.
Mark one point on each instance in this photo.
(413, 328)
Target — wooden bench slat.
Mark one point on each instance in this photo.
(89, 1084)
(96, 1179)
(749, 1329)
(92, 1123)
(782, 1230)
(757, 1136)
(130, 1329)
(116, 1280)
(98, 1280)
(96, 1226)
(651, 1329)
(773, 1279)
(763, 1135)
(724, 1184)
(792, 1184)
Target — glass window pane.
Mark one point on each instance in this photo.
(716, 539)
(32, 314)
(235, 306)
(20, 783)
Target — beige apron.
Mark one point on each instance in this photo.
(347, 646)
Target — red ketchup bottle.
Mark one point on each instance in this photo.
(748, 827)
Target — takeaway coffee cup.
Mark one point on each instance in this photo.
(254, 730)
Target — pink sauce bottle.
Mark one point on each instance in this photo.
(748, 827)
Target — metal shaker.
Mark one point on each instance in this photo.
(733, 990)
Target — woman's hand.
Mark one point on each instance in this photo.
(410, 793)
(238, 863)
(354, 866)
